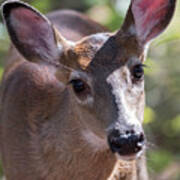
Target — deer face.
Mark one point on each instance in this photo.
(111, 92)
(103, 73)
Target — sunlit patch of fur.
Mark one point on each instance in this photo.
(88, 46)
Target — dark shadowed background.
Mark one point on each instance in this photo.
(162, 114)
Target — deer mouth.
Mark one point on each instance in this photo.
(129, 157)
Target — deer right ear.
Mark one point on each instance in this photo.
(31, 32)
(148, 18)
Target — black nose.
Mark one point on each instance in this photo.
(126, 144)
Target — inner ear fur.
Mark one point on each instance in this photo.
(146, 19)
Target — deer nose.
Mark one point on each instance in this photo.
(126, 144)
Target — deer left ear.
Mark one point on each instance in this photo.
(31, 32)
(149, 17)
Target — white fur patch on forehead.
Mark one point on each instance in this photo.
(125, 95)
(102, 37)
(99, 37)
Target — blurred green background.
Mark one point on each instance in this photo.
(162, 114)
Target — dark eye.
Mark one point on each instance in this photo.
(138, 72)
(78, 85)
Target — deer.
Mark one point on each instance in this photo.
(72, 94)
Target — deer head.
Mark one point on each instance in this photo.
(101, 76)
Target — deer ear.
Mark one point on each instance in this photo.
(150, 17)
(30, 31)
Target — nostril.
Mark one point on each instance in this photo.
(130, 132)
(115, 133)
(141, 138)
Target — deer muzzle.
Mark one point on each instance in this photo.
(126, 144)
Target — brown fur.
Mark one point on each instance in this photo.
(36, 85)
(47, 131)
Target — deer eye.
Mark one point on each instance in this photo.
(138, 72)
(78, 85)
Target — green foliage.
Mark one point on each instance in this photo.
(172, 127)
(159, 160)
(115, 21)
(106, 15)
(149, 115)
(1, 170)
(96, 2)
(43, 6)
(1, 72)
(175, 124)
(4, 40)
